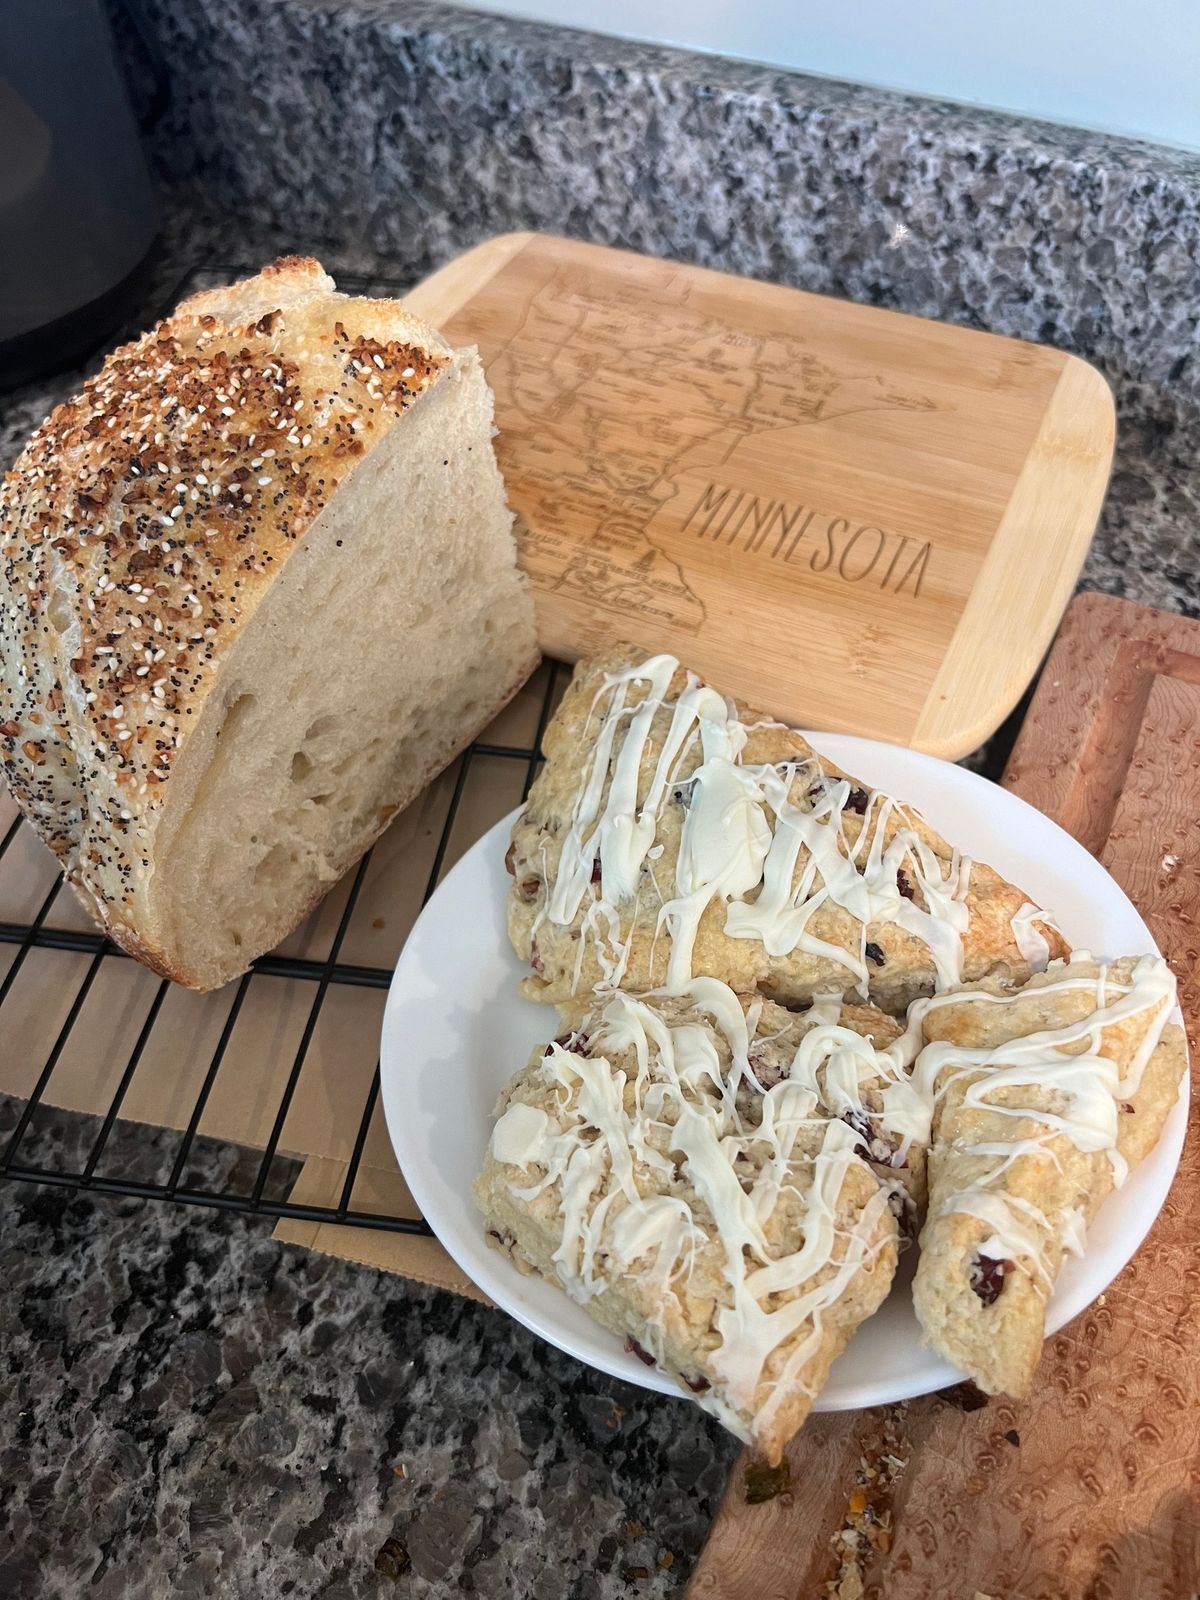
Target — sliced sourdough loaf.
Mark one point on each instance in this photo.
(259, 586)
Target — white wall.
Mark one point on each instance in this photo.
(1126, 66)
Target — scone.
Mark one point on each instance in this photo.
(671, 832)
(1042, 1099)
(857, 1061)
(731, 1232)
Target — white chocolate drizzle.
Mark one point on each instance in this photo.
(1085, 1086)
(677, 1111)
(744, 841)
(1034, 946)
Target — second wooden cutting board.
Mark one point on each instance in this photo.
(851, 518)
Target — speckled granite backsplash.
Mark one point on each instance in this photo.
(188, 1408)
(418, 129)
(406, 132)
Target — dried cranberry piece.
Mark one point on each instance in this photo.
(535, 958)
(856, 1118)
(987, 1278)
(903, 1208)
(698, 1384)
(966, 1396)
(596, 870)
(528, 889)
(857, 800)
(510, 859)
(635, 1349)
(576, 1043)
(1125, 1106)
(904, 884)
(875, 954)
(767, 1073)
(817, 792)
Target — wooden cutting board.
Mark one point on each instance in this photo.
(852, 518)
(1090, 1489)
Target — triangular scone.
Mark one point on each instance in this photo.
(672, 832)
(1042, 1098)
(857, 1060)
(733, 1236)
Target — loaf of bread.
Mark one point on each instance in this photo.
(259, 586)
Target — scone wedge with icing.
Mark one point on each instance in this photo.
(672, 832)
(730, 1232)
(857, 1061)
(1043, 1098)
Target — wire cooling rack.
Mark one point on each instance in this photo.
(61, 947)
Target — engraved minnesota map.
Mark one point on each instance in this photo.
(799, 495)
(626, 409)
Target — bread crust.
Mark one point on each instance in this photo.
(142, 526)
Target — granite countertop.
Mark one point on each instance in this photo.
(192, 1408)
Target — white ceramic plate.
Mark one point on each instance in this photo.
(455, 1031)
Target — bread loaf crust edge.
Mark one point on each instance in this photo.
(141, 527)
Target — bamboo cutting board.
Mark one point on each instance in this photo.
(851, 518)
(1090, 1488)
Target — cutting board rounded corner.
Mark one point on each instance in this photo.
(449, 287)
(1102, 392)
